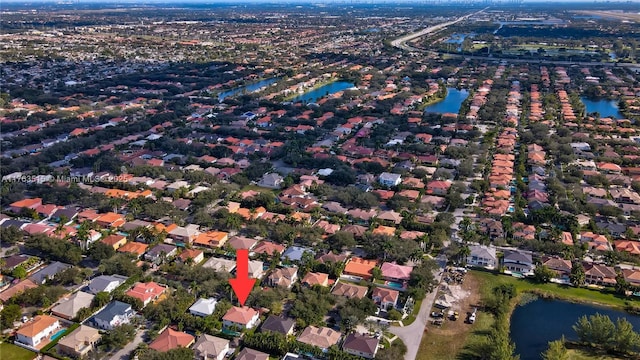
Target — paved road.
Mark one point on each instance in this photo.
(125, 352)
(400, 42)
(412, 335)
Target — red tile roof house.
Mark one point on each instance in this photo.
(437, 187)
(17, 206)
(385, 298)
(171, 339)
(395, 272)
(146, 292)
(240, 318)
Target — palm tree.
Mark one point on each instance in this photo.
(463, 253)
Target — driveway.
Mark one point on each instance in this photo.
(125, 352)
(412, 335)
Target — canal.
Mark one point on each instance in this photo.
(534, 324)
(450, 104)
(324, 90)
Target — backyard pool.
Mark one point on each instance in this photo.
(58, 334)
(394, 285)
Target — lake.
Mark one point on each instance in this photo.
(450, 104)
(246, 88)
(535, 324)
(606, 108)
(324, 90)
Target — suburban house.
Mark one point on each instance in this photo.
(321, 337)
(361, 345)
(278, 324)
(146, 292)
(160, 253)
(210, 347)
(284, 277)
(389, 179)
(517, 261)
(240, 318)
(271, 181)
(37, 331)
(79, 342)
(211, 239)
(256, 269)
(68, 307)
(116, 241)
(313, 278)
(203, 307)
(481, 255)
(395, 272)
(359, 267)
(220, 264)
(171, 339)
(562, 267)
(251, 354)
(114, 314)
(48, 272)
(349, 291)
(597, 274)
(191, 255)
(106, 283)
(135, 248)
(184, 235)
(386, 299)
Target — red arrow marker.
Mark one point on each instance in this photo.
(242, 285)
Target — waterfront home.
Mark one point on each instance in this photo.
(517, 261)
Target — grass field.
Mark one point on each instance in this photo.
(14, 352)
(449, 346)
(607, 297)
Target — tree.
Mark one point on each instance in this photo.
(101, 299)
(101, 251)
(9, 314)
(10, 235)
(19, 272)
(394, 314)
(596, 329)
(577, 276)
(119, 336)
(543, 274)
(625, 339)
(341, 240)
(556, 351)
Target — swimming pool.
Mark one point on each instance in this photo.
(58, 334)
(394, 285)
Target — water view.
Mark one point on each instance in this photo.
(606, 108)
(535, 324)
(451, 103)
(324, 90)
(247, 88)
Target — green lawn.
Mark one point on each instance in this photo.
(575, 354)
(606, 297)
(14, 352)
(412, 317)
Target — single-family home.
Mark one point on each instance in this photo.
(116, 241)
(251, 354)
(240, 318)
(349, 291)
(68, 307)
(278, 324)
(395, 272)
(517, 261)
(361, 345)
(315, 278)
(116, 313)
(48, 272)
(220, 264)
(146, 292)
(389, 179)
(160, 253)
(385, 298)
(284, 277)
(210, 347)
(193, 256)
(597, 274)
(37, 331)
(203, 307)
(106, 283)
(136, 249)
(484, 256)
(79, 342)
(359, 267)
(171, 339)
(271, 181)
(321, 337)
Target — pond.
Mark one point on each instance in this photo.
(324, 90)
(450, 104)
(606, 108)
(246, 88)
(535, 324)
